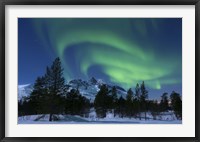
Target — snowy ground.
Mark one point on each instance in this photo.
(164, 118)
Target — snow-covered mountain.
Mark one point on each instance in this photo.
(88, 88)
(24, 90)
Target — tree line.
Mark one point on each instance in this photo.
(136, 103)
(52, 96)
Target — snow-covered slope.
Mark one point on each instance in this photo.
(24, 90)
(163, 118)
(88, 88)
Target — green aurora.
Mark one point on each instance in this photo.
(124, 51)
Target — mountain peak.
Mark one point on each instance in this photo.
(93, 80)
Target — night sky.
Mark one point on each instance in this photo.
(121, 51)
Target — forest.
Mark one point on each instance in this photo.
(52, 95)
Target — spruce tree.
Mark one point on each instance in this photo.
(101, 101)
(75, 104)
(121, 107)
(114, 99)
(137, 92)
(137, 100)
(129, 103)
(56, 87)
(164, 103)
(176, 104)
(36, 99)
(143, 98)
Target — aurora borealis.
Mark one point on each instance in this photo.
(122, 51)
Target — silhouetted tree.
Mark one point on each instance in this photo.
(76, 104)
(176, 104)
(164, 102)
(143, 98)
(137, 100)
(129, 103)
(153, 107)
(121, 107)
(55, 87)
(114, 99)
(101, 103)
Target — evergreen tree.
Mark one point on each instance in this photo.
(26, 107)
(85, 106)
(154, 108)
(176, 104)
(137, 92)
(143, 98)
(121, 107)
(144, 92)
(129, 103)
(114, 99)
(55, 87)
(101, 102)
(137, 100)
(164, 103)
(37, 97)
(75, 104)
(20, 108)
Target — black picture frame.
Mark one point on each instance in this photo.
(3, 4)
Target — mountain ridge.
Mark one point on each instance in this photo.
(88, 89)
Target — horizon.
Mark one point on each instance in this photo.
(150, 97)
